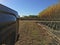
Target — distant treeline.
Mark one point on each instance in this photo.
(51, 13)
(40, 19)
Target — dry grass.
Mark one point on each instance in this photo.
(32, 34)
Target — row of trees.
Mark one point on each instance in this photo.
(51, 13)
(31, 16)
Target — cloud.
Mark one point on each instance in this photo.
(2, 0)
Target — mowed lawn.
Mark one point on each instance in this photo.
(32, 34)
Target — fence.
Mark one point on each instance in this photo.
(52, 24)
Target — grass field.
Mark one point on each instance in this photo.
(33, 34)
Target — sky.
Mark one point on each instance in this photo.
(28, 7)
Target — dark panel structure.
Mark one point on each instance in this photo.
(9, 25)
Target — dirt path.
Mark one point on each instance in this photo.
(32, 34)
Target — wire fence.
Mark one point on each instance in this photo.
(52, 24)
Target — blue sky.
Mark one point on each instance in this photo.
(28, 7)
